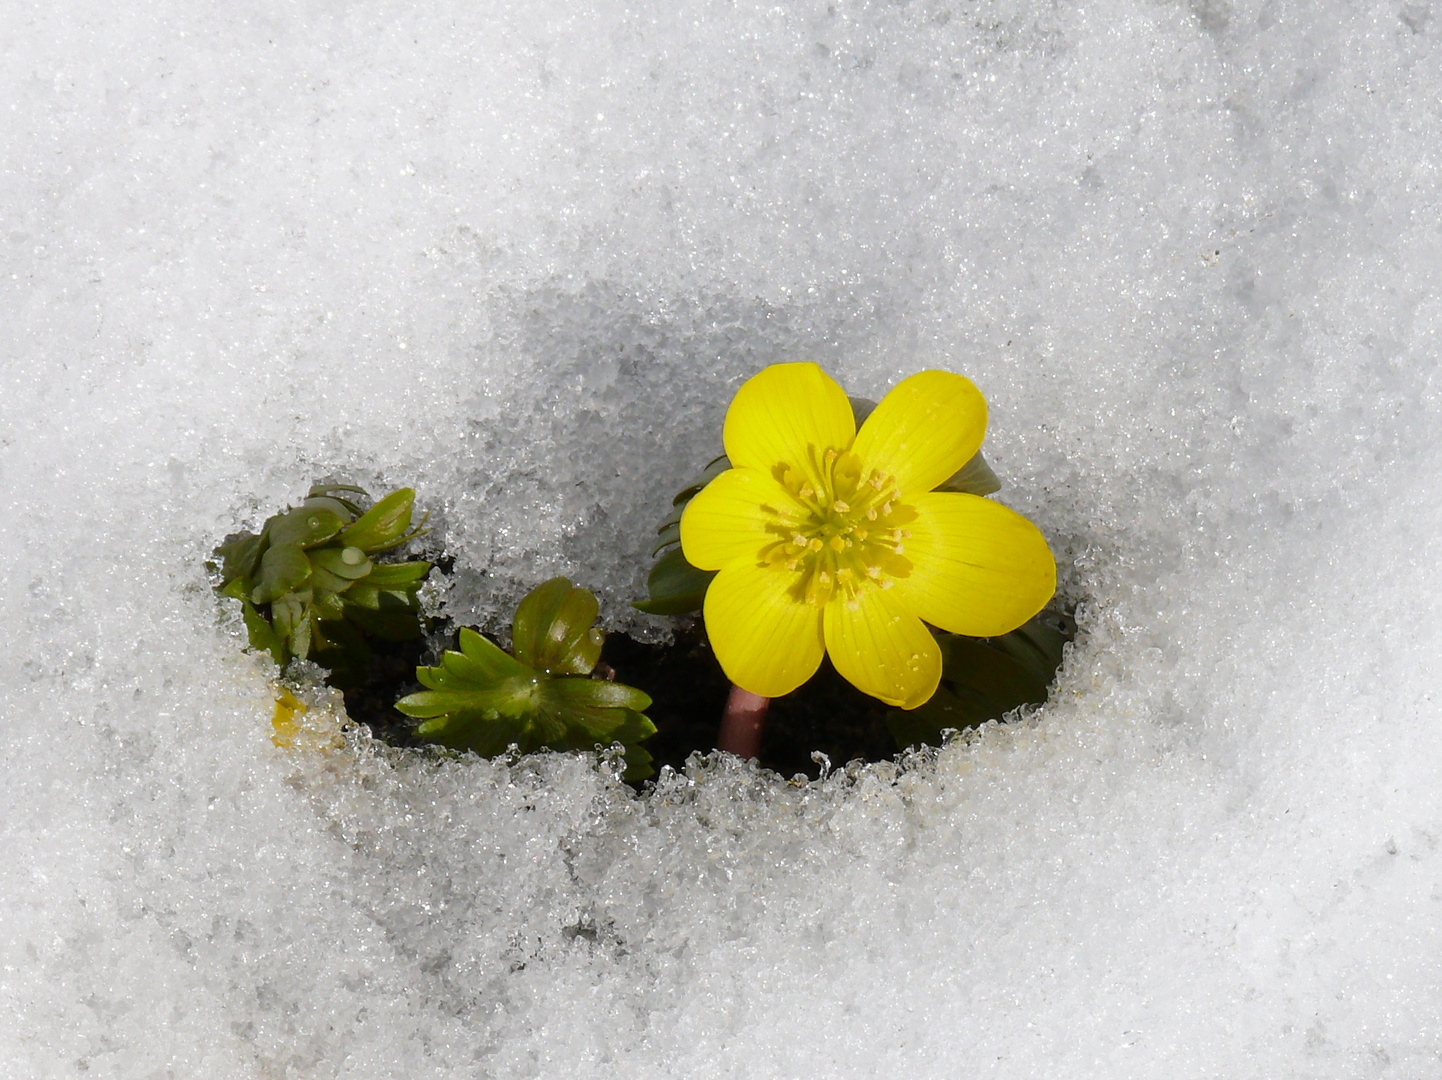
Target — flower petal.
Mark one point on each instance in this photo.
(977, 568)
(780, 412)
(882, 649)
(928, 426)
(733, 518)
(766, 640)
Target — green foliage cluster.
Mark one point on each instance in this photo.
(541, 695)
(311, 587)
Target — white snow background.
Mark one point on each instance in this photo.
(519, 256)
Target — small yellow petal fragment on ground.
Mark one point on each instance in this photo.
(287, 728)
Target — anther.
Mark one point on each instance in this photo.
(840, 507)
(837, 544)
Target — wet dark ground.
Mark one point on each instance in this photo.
(688, 692)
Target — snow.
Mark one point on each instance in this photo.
(519, 256)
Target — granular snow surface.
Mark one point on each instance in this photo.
(519, 256)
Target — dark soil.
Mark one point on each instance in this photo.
(688, 692)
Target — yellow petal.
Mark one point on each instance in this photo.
(927, 426)
(882, 649)
(734, 518)
(787, 414)
(977, 567)
(766, 640)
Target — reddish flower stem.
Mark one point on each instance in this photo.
(742, 722)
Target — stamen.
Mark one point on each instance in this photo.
(837, 544)
(840, 507)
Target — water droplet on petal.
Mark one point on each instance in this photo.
(352, 556)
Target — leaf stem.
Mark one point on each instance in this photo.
(742, 722)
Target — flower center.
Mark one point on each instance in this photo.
(843, 530)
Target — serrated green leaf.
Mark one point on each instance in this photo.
(396, 575)
(588, 693)
(485, 700)
(552, 630)
(675, 586)
(384, 524)
(283, 568)
(667, 536)
(303, 527)
(486, 659)
(638, 764)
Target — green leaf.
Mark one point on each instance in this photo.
(638, 765)
(261, 635)
(349, 563)
(675, 586)
(342, 508)
(552, 630)
(303, 527)
(282, 568)
(586, 693)
(394, 617)
(384, 524)
(324, 581)
(667, 536)
(714, 468)
(973, 478)
(239, 557)
(481, 662)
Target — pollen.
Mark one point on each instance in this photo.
(841, 529)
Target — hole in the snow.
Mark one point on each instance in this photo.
(983, 679)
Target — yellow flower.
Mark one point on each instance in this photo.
(830, 540)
